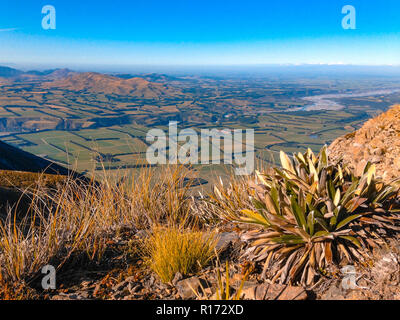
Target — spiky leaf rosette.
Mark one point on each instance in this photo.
(313, 216)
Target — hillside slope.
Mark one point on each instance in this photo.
(378, 141)
(15, 159)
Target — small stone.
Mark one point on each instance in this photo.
(249, 290)
(376, 159)
(334, 293)
(225, 239)
(360, 167)
(293, 293)
(134, 288)
(178, 276)
(268, 291)
(119, 286)
(187, 288)
(60, 297)
(130, 279)
(85, 284)
(84, 294)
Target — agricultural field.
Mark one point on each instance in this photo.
(91, 122)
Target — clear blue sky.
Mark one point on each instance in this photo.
(200, 32)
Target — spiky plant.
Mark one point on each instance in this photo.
(313, 216)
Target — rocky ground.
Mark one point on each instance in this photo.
(377, 141)
(125, 277)
(132, 280)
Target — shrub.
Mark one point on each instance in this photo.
(312, 215)
(172, 249)
(223, 290)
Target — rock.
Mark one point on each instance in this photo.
(225, 239)
(116, 296)
(134, 287)
(376, 159)
(187, 287)
(71, 296)
(178, 277)
(268, 291)
(60, 297)
(152, 280)
(334, 293)
(130, 279)
(120, 286)
(249, 290)
(85, 284)
(293, 293)
(360, 167)
(84, 295)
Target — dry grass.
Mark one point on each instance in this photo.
(27, 179)
(172, 249)
(79, 218)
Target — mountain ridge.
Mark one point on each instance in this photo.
(94, 82)
(377, 141)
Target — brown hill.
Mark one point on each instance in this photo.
(100, 83)
(378, 141)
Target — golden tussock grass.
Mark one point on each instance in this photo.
(79, 218)
(173, 249)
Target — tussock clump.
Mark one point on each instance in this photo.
(173, 249)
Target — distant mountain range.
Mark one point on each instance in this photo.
(92, 82)
(15, 74)
(150, 86)
(6, 72)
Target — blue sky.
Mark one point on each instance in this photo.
(200, 32)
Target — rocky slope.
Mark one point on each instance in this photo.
(378, 141)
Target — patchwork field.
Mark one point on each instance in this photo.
(92, 121)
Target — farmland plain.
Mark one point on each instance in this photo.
(92, 121)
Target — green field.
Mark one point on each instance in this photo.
(89, 132)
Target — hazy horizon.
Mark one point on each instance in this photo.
(256, 70)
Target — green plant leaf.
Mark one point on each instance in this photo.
(346, 221)
(288, 239)
(352, 239)
(311, 223)
(298, 213)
